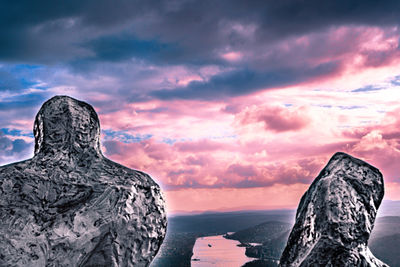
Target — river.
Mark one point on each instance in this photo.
(218, 251)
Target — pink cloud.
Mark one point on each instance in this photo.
(379, 144)
(199, 160)
(280, 120)
(277, 119)
(232, 56)
(195, 167)
(266, 142)
(199, 146)
(251, 163)
(242, 170)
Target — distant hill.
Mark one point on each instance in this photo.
(385, 226)
(220, 223)
(272, 235)
(385, 240)
(275, 247)
(261, 233)
(386, 248)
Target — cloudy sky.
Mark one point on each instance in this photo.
(227, 104)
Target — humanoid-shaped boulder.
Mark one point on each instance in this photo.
(71, 206)
(336, 215)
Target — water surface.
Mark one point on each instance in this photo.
(218, 251)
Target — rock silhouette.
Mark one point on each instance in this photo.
(336, 215)
(71, 206)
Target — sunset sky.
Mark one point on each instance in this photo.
(228, 105)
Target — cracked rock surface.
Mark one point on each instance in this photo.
(71, 206)
(336, 215)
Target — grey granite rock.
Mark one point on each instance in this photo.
(336, 215)
(71, 206)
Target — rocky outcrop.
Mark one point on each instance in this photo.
(71, 206)
(336, 215)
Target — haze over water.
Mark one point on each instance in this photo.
(223, 252)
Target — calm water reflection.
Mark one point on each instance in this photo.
(218, 251)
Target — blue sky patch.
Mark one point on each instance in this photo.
(125, 137)
(368, 88)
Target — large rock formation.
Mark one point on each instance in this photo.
(336, 215)
(71, 206)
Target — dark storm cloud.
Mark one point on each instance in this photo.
(122, 47)
(100, 37)
(49, 31)
(297, 17)
(245, 81)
